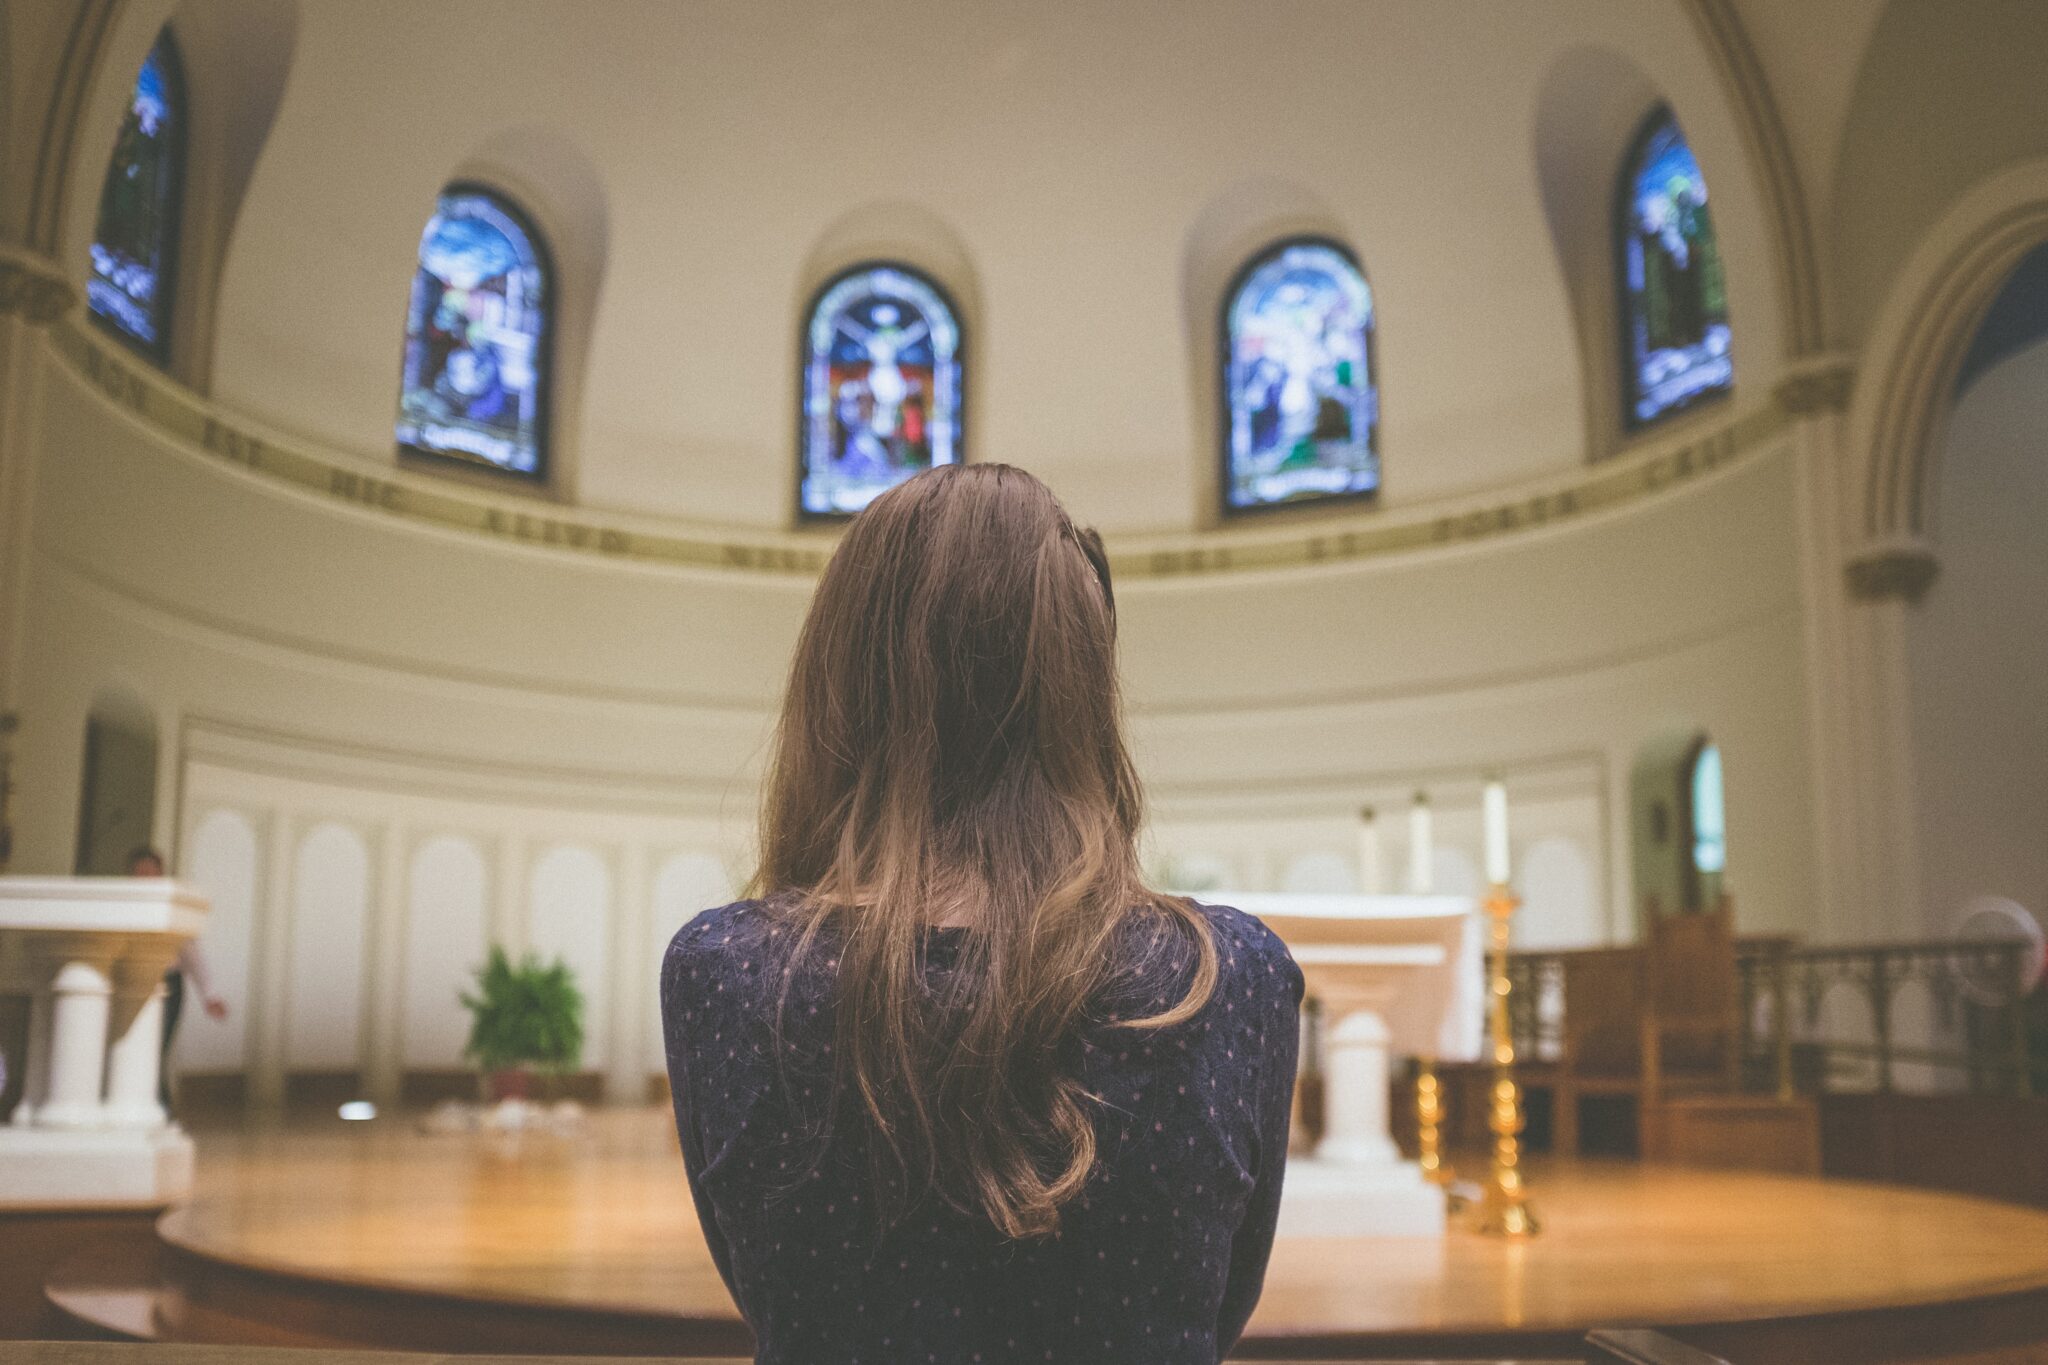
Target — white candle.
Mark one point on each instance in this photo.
(1421, 848)
(1370, 880)
(1496, 812)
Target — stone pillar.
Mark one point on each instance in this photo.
(134, 1057)
(80, 998)
(1355, 1093)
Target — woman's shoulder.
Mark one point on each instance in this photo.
(738, 932)
(1247, 948)
(1160, 950)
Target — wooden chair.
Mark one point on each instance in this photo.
(1654, 1023)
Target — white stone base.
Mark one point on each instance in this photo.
(1328, 1199)
(74, 1169)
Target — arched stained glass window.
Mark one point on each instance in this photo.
(1709, 820)
(882, 358)
(474, 382)
(1300, 405)
(1675, 348)
(135, 238)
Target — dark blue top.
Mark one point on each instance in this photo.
(1157, 1262)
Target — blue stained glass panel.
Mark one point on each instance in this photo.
(474, 379)
(882, 387)
(1675, 338)
(1300, 402)
(135, 237)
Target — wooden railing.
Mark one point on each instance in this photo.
(1978, 1012)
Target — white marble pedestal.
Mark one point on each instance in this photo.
(1364, 956)
(90, 954)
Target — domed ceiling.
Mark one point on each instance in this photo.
(1083, 178)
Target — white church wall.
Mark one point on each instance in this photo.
(221, 858)
(328, 919)
(253, 609)
(447, 901)
(441, 865)
(560, 750)
(571, 908)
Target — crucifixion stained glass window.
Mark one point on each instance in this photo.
(882, 386)
(135, 238)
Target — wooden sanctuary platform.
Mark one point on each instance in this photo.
(381, 1235)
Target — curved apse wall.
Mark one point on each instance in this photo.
(286, 632)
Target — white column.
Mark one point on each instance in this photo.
(35, 1087)
(1355, 1093)
(78, 1045)
(134, 1056)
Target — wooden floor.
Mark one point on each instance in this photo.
(602, 1221)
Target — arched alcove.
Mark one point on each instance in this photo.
(1677, 824)
(549, 182)
(235, 63)
(329, 928)
(447, 905)
(223, 857)
(570, 907)
(1233, 227)
(117, 783)
(1974, 652)
(914, 237)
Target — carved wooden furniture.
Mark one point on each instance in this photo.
(1657, 1024)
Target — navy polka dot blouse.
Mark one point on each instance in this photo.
(1157, 1262)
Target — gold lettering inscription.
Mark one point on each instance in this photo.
(361, 488)
(228, 443)
(115, 380)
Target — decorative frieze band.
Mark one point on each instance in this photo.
(183, 417)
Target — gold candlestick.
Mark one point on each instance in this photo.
(1429, 1117)
(1504, 1208)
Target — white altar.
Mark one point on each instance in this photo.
(1397, 976)
(90, 955)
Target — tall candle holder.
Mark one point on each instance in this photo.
(1429, 1118)
(1504, 1206)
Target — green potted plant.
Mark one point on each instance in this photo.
(524, 1017)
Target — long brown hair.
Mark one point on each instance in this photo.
(951, 750)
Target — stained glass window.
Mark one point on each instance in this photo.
(1674, 297)
(474, 383)
(1300, 408)
(881, 386)
(1709, 826)
(135, 239)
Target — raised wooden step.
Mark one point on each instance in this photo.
(1735, 1132)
